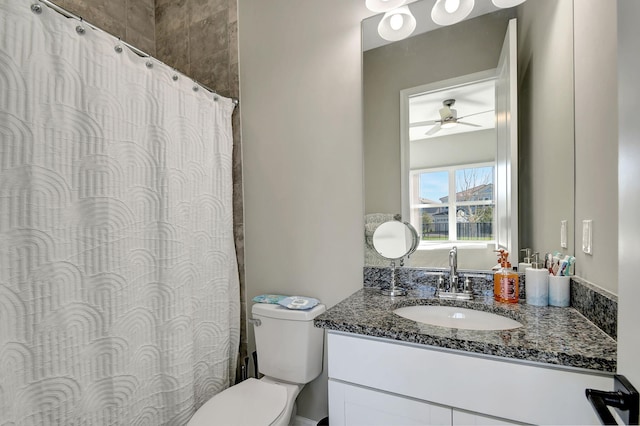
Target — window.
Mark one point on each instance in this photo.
(453, 204)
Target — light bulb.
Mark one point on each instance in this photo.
(451, 5)
(396, 22)
(447, 12)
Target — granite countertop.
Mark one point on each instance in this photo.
(552, 335)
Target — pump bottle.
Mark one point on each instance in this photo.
(526, 262)
(537, 283)
(505, 281)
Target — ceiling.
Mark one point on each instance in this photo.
(474, 98)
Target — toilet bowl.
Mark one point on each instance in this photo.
(290, 350)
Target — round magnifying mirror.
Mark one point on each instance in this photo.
(394, 239)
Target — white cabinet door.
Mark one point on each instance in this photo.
(523, 392)
(351, 405)
(475, 419)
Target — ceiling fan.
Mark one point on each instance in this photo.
(449, 118)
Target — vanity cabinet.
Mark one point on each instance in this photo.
(377, 381)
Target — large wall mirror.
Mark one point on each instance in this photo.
(454, 68)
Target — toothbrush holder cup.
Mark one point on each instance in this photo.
(559, 290)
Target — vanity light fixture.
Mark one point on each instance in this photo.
(397, 24)
(447, 12)
(507, 3)
(379, 6)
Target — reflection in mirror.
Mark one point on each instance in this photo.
(448, 166)
(458, 50)
(467, 48)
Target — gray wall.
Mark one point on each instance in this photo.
(546, 125)
(301, 88)
(301, 97)
(568, 158)
(629, 191)
(596, 110)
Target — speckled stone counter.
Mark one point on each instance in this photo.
(559, 336)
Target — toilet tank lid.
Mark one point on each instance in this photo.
(276, 311)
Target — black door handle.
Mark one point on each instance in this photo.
(624, 399)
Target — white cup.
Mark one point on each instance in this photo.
(559, 290)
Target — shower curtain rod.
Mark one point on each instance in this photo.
(134, 49)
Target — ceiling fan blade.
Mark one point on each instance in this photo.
(424, 123)
(434, 129)
(469, 124)
(475, 113)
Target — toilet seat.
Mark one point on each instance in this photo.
(251, 402)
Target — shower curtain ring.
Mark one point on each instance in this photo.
(36, 8)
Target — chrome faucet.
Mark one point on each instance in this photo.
(453, 270)
(453, 291)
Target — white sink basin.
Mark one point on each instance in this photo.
(454, 317)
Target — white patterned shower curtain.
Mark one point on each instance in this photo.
(119, 300)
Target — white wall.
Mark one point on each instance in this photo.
(301, 100)
(460, 148)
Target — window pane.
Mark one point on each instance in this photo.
(434, 223)
(434, 187)
(474, 184)
(475, 222)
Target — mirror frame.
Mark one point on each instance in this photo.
(407, 228)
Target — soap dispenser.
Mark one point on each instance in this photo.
(505, 280)
(526, 262)
(537, 283)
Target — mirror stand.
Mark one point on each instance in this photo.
(394, 240)
(393, 290)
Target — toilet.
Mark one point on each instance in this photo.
(290, 353)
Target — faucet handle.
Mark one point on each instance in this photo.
(467, 286)
(440, 285)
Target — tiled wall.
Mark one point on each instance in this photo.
(131, 20)
(200, 39)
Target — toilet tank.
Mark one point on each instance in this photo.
(289, 347)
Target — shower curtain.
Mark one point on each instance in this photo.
(119, 300)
